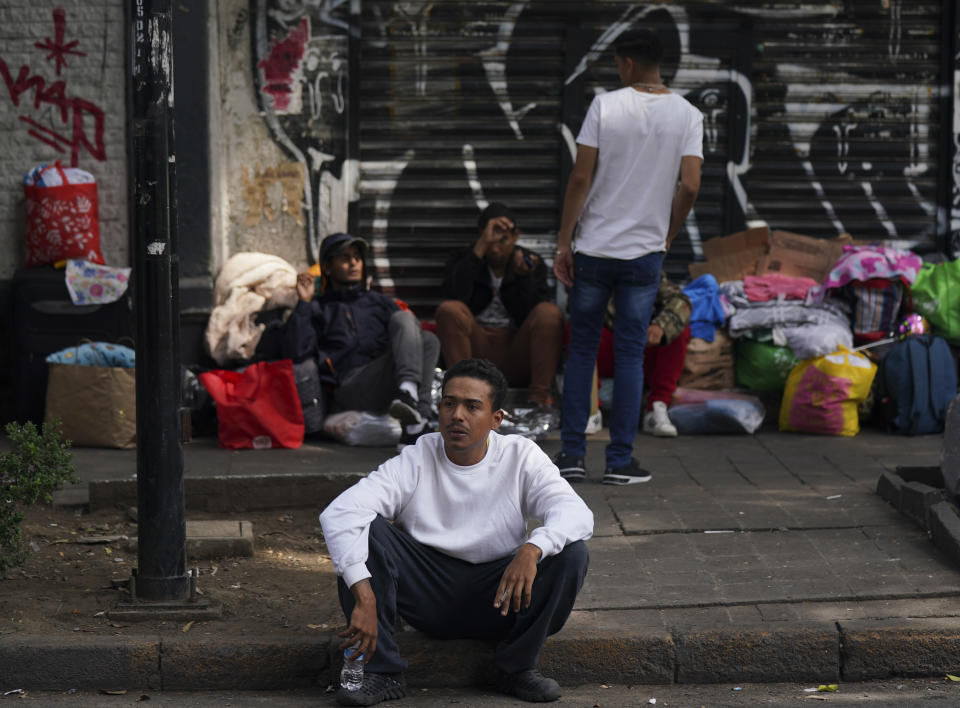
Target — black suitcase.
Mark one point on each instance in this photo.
(45, 320)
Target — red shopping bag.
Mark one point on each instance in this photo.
(258, 407)
(61, 215)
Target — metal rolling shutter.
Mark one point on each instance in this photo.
(848, 121)
(436, 138)
(820, 118)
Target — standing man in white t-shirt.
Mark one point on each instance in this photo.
(634, 180)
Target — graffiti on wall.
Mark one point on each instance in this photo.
(846, 144)
(300, 56)
(51, 115)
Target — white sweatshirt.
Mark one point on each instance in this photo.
(476, 513)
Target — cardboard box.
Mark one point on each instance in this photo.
(734, 256)
(709, 365)
(802, 256)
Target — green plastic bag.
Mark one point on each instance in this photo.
(762, 366)
(936, 296)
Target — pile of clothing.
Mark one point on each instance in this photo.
(793, 334)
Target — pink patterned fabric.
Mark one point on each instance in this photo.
(761, 288)
(864, 263)
(818, 403)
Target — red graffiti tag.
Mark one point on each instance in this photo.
(59, 50)
(280, 67)
(74, 113)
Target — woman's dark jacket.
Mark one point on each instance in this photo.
(342, 328)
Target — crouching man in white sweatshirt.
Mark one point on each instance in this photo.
(457, 562)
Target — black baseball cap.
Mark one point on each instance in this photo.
(493, 210)
(334, 243)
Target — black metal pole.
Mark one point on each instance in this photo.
(162, 561)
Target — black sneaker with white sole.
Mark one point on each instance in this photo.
(630, 473)
(571, 467)
(376, 688)
(404, 408)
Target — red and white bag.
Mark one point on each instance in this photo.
(62, 215)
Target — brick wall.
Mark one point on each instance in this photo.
(39, 110)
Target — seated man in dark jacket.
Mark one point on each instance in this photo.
(375, 354)
(498, 306)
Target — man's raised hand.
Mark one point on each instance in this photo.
(496, 229)
(305, 286)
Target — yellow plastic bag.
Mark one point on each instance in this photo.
(821, 395)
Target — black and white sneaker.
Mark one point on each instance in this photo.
(631, 473)
(409, 438)
(376, 688)
(571, 467)
(404, 409)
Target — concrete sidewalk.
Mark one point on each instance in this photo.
(746, 558)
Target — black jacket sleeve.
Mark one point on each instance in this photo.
(300, 340)
(467, 280)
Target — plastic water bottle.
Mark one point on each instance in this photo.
(351, 675)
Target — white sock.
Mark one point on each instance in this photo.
(411, 388)
(415, 428)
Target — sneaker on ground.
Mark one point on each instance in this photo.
(529, 685)
(404, 409)
(630, 473)
(594, 424)
(410, 438)
(571, 467)
(657, 422)
(376, 688)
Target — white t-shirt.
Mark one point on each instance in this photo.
(476, 513)
(640, 139)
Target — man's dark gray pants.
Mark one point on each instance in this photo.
(449, 598)
(411, 356)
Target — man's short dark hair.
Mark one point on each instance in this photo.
(483, 370)
(493, 210)
(641, 45)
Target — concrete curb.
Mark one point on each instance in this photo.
(61, 663)
(914, 648)
(797, 652)
(759, 654)
(225, 663)
(235, 493)
(917, 492)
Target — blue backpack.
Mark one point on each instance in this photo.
(918, 380)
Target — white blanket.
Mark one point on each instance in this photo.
(248, 283)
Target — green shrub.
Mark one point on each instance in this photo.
(38, 464)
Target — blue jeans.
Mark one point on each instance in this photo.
(634, 286)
